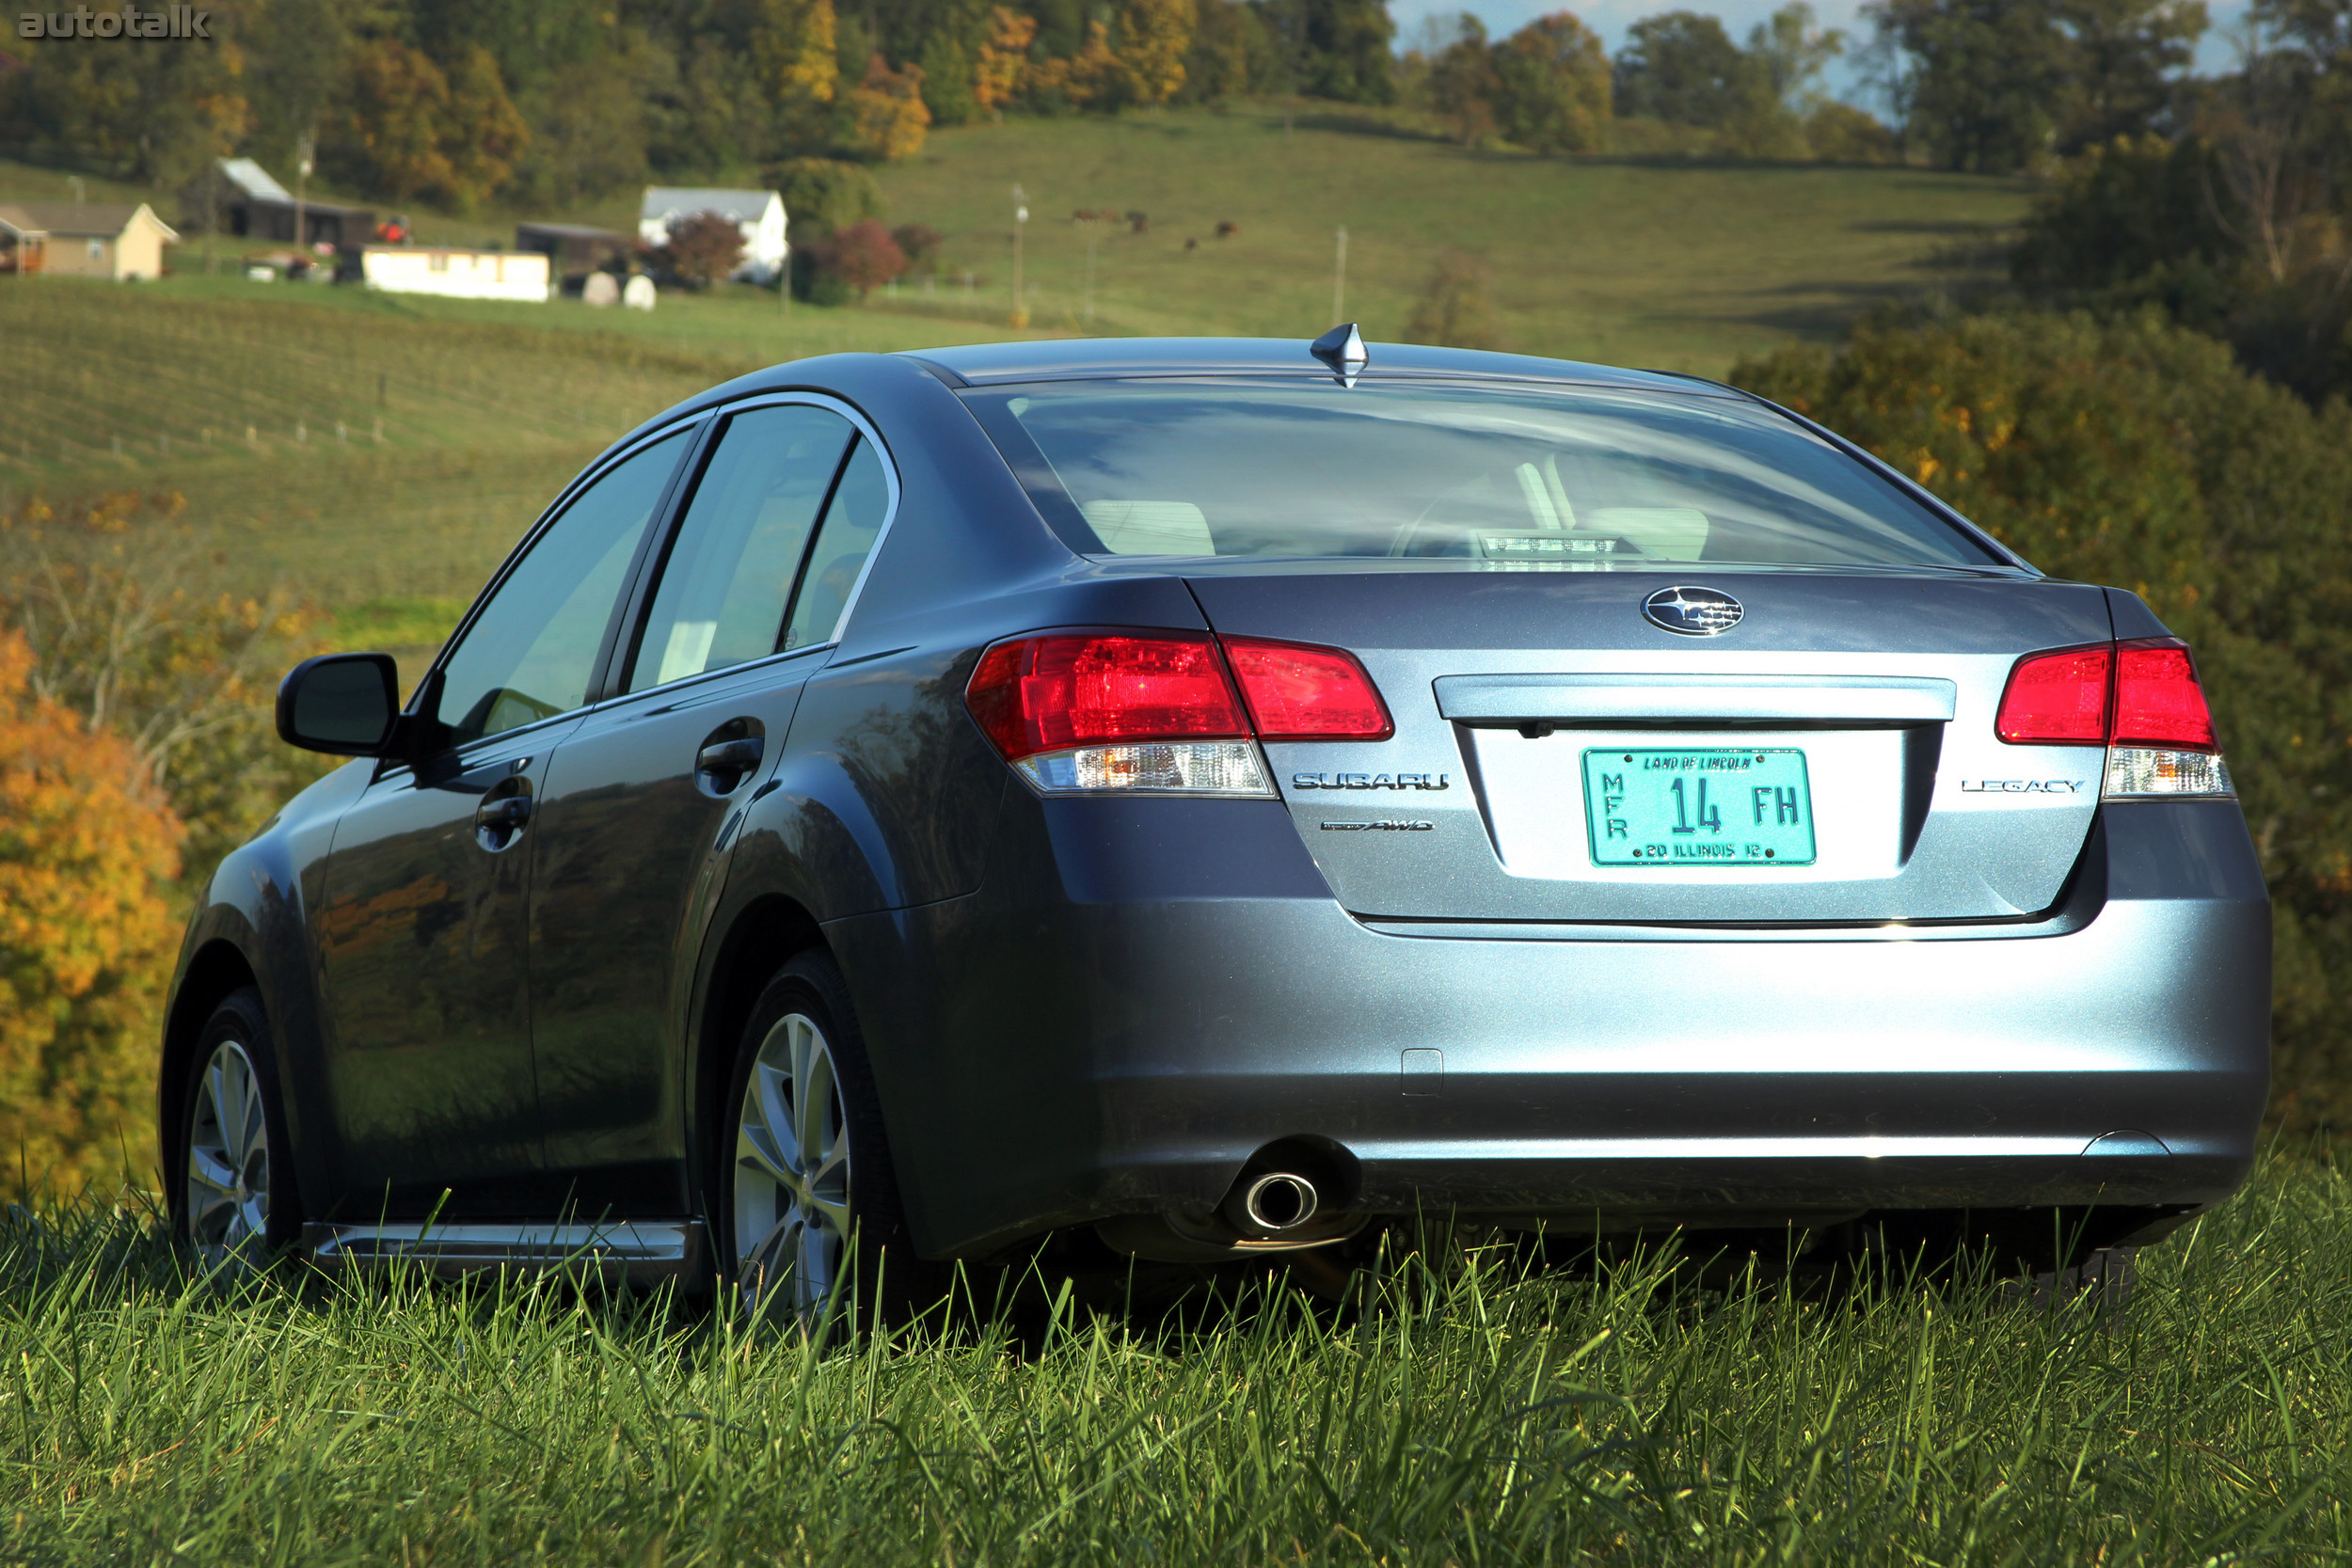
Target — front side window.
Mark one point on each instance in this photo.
(1531, 476)
(531, 652)
(730, 571)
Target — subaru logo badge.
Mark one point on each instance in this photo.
(1691, 611)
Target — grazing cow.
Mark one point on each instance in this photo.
(1191, 244)
(1085, 215)
(1226, 230)
(1139, 222)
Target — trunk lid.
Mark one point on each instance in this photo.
(1831, 758)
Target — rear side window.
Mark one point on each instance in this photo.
(861, 503)
(729, 575)
(1567, 478)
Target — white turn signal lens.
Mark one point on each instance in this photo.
(2158, 770)
(1185, 767)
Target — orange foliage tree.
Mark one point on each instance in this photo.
(997, 75)
(410, 129)
(87, 852)
(1154, 36)
(884, 117)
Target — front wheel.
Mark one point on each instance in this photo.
(806, 1212)
(237, 1200)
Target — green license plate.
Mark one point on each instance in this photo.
(1698, 808)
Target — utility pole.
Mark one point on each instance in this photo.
(302, 189)
(1338, 280)
(1019, 223)
(1091, 238)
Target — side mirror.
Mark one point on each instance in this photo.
(343, 704)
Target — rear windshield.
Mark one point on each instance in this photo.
(1575, 476)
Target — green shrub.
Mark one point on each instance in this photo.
(2140, 454)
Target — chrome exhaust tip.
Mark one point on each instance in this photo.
(1277, 1202)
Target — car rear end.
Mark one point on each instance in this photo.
(1580, 801)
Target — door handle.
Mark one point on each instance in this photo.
(497, 820)
(724, 764)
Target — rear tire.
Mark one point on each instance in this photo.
(238, 1203)
(805, 1215)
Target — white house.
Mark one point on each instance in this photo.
(400, 269)
(759, 214)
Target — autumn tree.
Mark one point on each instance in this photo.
(1462, 83)
(865, 256)
(1090, 79)
(1552, 87)
(883, 117)
(409, 130)
(1681, 67)
(792, 49)
(919, 242)
(390, 136)
(1154, 36)
(703, 248)
(87, 855)
(136, 630)
(996, 70)
(481, 132)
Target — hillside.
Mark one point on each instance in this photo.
(1672, 263)
(385, 451)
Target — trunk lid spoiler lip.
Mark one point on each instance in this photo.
(1578, 698)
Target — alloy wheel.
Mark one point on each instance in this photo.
(791, 1173)
(228, 1157)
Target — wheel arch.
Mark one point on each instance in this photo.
(215, 972)
(762, 937)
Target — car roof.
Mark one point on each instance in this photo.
(1092, 358)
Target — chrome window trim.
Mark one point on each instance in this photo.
(700, 677)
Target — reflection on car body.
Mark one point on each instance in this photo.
(925, 796)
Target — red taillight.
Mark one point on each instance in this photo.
(2058, 699)
(1297, 692)
(2159, 701)
(1059, 690)
(2139, 693)
(1074, 689)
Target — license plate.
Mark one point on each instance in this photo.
(1698, 808)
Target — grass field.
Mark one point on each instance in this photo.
(1659, 263)
(1484, 1419)
(379, 454)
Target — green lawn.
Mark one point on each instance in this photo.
(1482, 1419)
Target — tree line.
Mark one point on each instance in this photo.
(2156, 395)
(459, 102)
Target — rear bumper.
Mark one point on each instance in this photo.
(1143, 995)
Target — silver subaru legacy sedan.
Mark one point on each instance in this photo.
(1200, 799)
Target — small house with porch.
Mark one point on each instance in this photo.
(120, 240)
